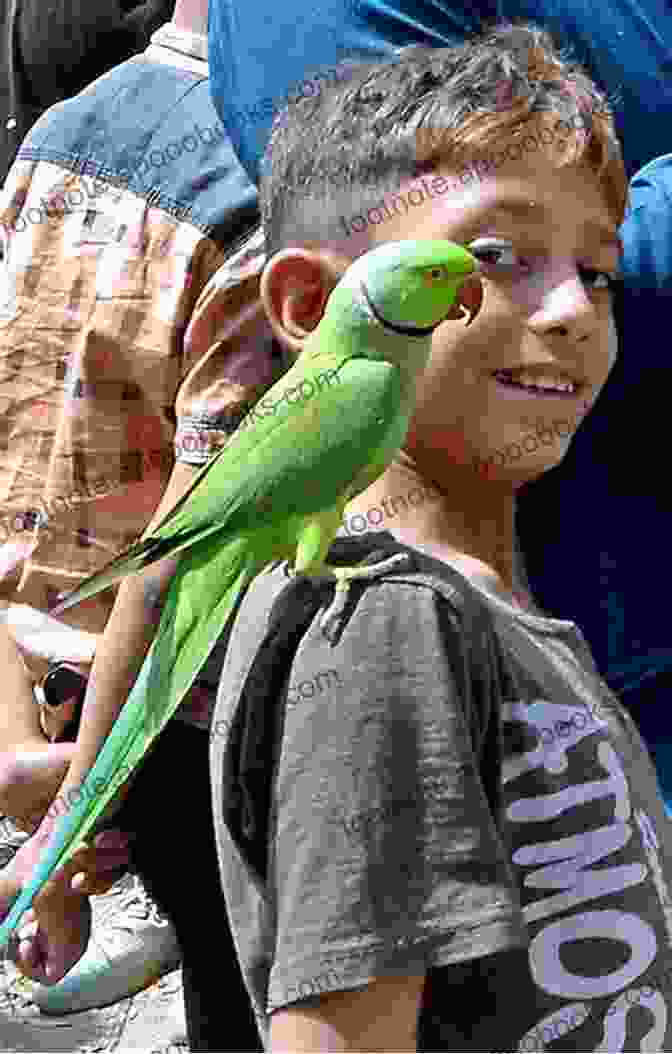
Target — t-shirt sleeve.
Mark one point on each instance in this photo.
(230, 356)
(646, 232)
(385, 853)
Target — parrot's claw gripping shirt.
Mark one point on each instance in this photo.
(332, 618)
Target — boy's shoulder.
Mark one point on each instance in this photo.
(410, 620)
(404, 643)
(382, 561)
(399, 589)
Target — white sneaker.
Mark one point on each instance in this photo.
(11, 839)
(129, 949)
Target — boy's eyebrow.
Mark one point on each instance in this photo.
(525, 210)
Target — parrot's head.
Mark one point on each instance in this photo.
(410, 287)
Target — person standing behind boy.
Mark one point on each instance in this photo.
(51, 49)
(458, 844)
(114, 217)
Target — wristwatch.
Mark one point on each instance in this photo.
(62, 684)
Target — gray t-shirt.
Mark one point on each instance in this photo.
(454, 790)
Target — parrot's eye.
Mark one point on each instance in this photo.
(435, 274)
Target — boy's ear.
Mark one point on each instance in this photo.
(295, 286)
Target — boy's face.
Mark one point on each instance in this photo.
(544, 238)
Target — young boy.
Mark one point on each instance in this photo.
(438, 830)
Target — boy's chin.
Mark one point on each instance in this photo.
(524, 470)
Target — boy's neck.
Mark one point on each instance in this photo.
(470, 526)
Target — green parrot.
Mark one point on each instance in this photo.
(277, 491)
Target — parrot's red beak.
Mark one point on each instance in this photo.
(469, 299)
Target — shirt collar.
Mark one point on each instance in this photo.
(193, 45)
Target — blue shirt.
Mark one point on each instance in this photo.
(261, 51)
(587, 526)
(647, 233)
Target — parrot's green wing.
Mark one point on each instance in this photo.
(298, 453)
(248, 509)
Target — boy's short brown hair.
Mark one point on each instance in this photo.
(390, 121)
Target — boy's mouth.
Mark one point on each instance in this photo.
(535, 381)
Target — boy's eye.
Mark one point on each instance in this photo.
(493, 251)
(497, 252)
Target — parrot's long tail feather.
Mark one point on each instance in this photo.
(134, 559)
(203, 595)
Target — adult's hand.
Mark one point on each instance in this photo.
(101, 863)
(54, 935)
